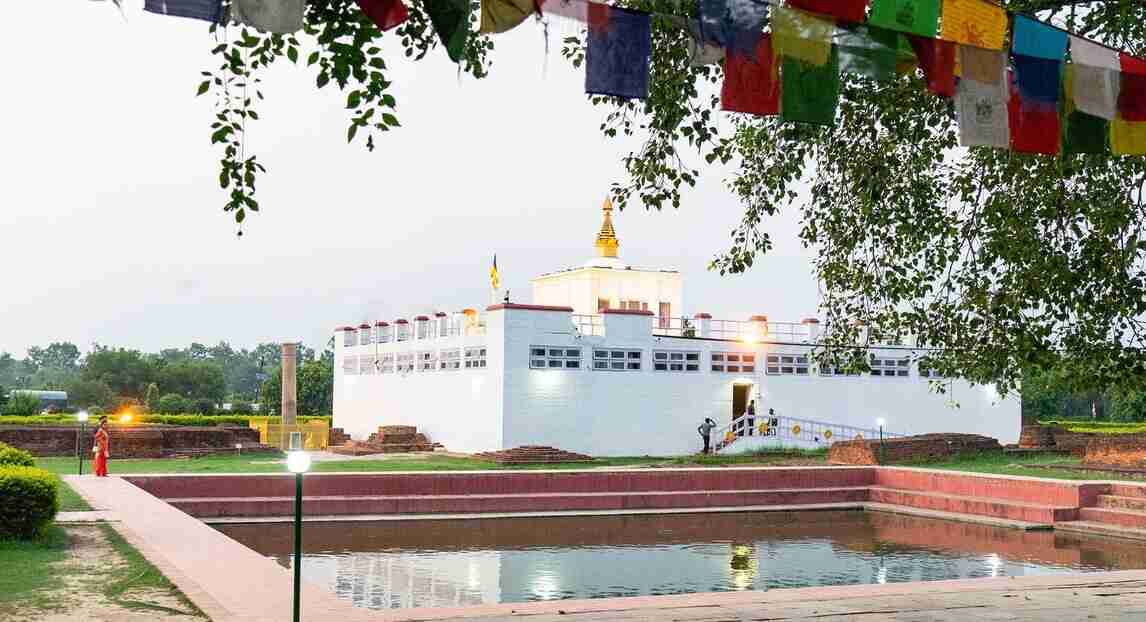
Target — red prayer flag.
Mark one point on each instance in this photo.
(1035, 126)
(385, 14)
(1132, 98)
(751, 84)
(937, 59)
(850, 10)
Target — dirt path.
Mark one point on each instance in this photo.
(101, 585)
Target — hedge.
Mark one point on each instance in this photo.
(187, 420)
(28, 501)
(11, 456)
(1099, 427)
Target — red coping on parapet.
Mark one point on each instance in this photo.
(626, 312)
(380, 323)
(400, 321)
(364, 325)
(421, 318)
(758, 318)
(341, 328)
(703, 316)
(440, 314)
(809, 320)
(516, 307)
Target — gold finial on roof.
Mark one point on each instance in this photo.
(607, 238)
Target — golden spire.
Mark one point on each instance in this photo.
(607, 238)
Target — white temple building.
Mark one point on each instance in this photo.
(605, 362)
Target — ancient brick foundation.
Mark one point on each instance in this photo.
(1056, 438)
(533, 454)
(143, 441)
(922, 448)
(1124, 450)
(389, 439)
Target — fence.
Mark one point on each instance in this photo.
(315, 434)
(793, 430)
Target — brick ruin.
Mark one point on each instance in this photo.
(533, 454)
(389, 439)
(135, 441)
(908, 449)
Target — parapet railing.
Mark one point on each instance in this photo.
(593, 325)
(792, 430)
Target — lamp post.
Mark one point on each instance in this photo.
(298, 462)
(82, 417)
(880, 422)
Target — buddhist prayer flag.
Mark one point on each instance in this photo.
(503, 15)
(809, 92)
(1084, 133)
(733, 23)
(1034, 38)
(385, 14)
(751, 83)
(937, 59)
(849, 10)
(1096, 78)
(573, 9)
(451, 20)
(1132, 92)
(802, 36)
(1127, 137)
(868, 51)
(617, 58)
(974, 22)
(920, 17)
(280, 16)
(701, 52)
(1035, 126)
(1038, 80)
(207, 10)
(981, 107)
(981, 65)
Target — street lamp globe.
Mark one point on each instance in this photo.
(880, 422)
(82, 416)
(298, 462)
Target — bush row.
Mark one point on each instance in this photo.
(187, 420)
(28, 496)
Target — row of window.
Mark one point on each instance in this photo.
(611, 359)
(424, 361)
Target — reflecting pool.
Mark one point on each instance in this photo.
(441, 563)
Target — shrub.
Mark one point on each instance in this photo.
(27, 501)
(173, 403)
(242, 408)
(204, 406)
(22, 405)
(11, 456)
(185, 419)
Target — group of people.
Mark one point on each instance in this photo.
(705, 429)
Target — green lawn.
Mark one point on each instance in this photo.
(29, 573)
(1030, 465)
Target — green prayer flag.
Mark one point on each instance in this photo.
(868, 51)
(919, 17)
(810, 93)
(451, 20)
(1086, 134)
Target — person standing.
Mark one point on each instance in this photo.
(100, 450)
(705, 430)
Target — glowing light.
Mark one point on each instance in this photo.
(82, 416)
(881, 422)
(298, 462)
(125, 418)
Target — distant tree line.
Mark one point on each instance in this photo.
(1059, 394)
(196, 379)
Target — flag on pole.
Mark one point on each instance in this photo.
(494, 281)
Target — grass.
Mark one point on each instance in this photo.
(70, 500)
(1100, 427)
(1031, 465)
(138, 573)
(30, 570)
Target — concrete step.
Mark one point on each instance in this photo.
(1128, 490)
(1124, 518)
(1117, 502)
(981, 506)
(1105, 529)
(501, 503)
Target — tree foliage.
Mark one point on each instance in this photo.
(315, 389)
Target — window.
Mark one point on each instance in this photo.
(827, 369)
(386, 364)
(554, 357)
(450, 359)
(667, 360)
(733, 362)
(366, 365)
(365, 334)
(475, 358)
(405, 362)
(617, 360)
(349, 338)
(664, 312)
(426, 361)
(787, 365)
(350, 365)
(890, 367)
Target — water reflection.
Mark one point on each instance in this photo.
(452, 563)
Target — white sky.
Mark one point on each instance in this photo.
(113, 230)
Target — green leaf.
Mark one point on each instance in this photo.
(203, 87)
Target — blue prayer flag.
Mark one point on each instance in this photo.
(617, 59)
(207, 10)
(733, 24)
(1034, 38)
(1038, 79)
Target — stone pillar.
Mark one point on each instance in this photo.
(289, 384)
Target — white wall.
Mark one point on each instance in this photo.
(582, 288)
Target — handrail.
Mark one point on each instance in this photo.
(796, 429)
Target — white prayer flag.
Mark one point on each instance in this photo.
(279, 16)
(981, 109)
(1097, 78)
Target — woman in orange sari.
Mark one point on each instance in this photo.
(100, 449)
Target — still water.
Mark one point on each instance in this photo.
(467, 562)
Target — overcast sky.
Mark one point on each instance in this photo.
(112, 223)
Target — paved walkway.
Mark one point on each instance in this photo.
(230, 582)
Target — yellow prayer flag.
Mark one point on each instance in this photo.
(1127, 137)
(803, 36)
(494, 279)
(503, 15)
(974, 22)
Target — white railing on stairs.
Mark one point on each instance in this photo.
(791, 430)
